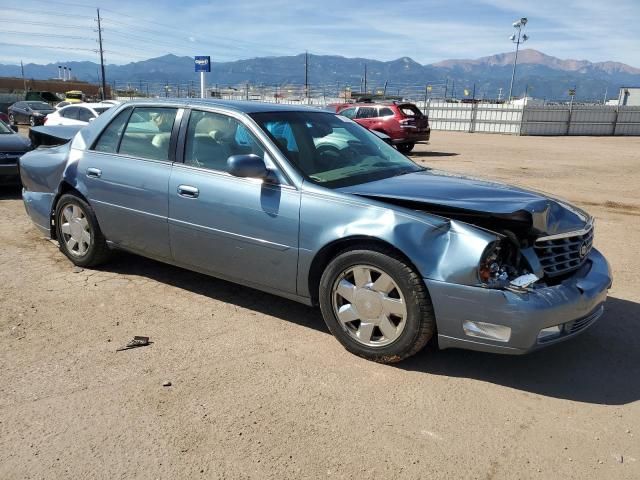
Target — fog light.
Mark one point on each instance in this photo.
(490, 331)
(549, 333)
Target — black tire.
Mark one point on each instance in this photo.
(32, 121)
(420, 323)
(405, 147)
(98, 252)
(12, 119)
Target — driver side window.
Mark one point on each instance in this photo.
(212, 138)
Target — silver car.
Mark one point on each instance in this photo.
(310, 206)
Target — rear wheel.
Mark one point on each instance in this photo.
(405, 147)
(32, 121)
(78, 232)
(376, 305)
(12, 119)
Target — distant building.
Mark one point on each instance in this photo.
(530, 101)
(629, 96)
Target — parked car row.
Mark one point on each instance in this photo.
(64, 113)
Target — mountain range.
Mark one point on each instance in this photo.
(543, 76)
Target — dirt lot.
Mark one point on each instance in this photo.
(261, 390)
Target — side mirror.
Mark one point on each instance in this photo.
(247, 166)
(14, 128)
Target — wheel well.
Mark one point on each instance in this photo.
(65, 187)
(335, 248)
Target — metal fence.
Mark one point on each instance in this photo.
(533, 120)
(494, 117)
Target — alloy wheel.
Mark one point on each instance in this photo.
(369, 305)
(75, 229)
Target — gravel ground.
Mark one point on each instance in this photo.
(259, 389)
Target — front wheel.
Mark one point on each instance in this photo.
(78, 232)
(376, 305)
(405, 147)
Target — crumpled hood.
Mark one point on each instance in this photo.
(475, 201)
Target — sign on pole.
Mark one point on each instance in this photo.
(202, 65)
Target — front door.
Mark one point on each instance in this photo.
(126, 177)
(241, 229)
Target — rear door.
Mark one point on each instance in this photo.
(126, 176)
(242, 229)
(366, 116)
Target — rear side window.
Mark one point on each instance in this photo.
(70, 112)
(349, 113)
(367, 112)
(148, 133)
(84, 114)
(110, 137)
(386, 112)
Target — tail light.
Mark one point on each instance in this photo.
(407, 122)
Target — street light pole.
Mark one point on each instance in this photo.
(517, 39)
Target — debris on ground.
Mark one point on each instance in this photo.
(135, 343)
(166, 384)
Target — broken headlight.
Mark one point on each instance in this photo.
(500, 263)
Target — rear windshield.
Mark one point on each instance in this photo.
(410, 110)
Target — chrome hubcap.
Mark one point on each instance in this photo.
(369, 305)
(76, 232)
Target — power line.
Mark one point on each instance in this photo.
(71, 37)
(55, 14)
(50, 47)
(43, 24)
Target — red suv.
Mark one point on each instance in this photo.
(404, 123)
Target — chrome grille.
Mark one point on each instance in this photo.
(563, 253)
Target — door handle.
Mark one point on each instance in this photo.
(94, 172)
(188, 191)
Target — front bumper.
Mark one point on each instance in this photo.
(575, 304)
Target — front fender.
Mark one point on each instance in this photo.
(441, 249)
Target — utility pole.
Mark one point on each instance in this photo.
(606, 91)
(306, 76)
(384, 91)
(24, 81)
(446, 87)
(365, 78)
(104, 83)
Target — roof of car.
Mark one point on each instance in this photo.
(237, 105)
(90, 105)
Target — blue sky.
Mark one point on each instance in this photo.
(427, 31)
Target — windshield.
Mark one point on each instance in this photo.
(39, 105)
(331, 150)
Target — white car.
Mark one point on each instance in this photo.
(76, 114)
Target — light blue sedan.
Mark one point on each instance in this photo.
(310, 206)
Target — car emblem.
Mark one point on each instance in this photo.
(584, 249)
